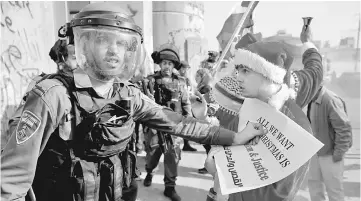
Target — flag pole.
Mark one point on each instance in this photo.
(236, 31)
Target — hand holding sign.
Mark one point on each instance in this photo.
(251, 131)
(279, 154)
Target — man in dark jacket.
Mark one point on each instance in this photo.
(331, 125)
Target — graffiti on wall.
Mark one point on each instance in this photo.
(24, 50)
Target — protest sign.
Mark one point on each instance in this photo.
(284, 149)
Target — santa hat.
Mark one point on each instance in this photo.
(273, 61)
(270, 59)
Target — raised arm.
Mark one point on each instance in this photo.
(308, 80)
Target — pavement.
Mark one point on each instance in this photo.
(192, 186)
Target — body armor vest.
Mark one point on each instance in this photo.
(97, 162)
(168, 93)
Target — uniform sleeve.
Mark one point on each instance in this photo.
(309, 79)
(341, 125)
(161, 118)
(28, 138)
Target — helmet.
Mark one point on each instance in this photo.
(167, 52)
(107, 42)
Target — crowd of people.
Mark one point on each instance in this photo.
(81, 128)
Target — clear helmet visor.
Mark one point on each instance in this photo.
(107, 53)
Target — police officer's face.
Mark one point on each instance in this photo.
(109, 51)
(166, 67)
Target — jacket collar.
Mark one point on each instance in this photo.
(81, 79)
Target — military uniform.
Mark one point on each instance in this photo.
(171, 93)
(46, 125)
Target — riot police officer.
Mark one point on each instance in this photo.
(168, 89)
(71, 140)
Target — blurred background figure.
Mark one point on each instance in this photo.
(184, 72)
(63, 54)
(203, 79)
(331, 125)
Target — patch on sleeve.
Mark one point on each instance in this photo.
(27, 126)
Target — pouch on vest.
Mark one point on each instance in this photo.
(109, 131)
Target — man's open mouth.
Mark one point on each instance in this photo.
(112, 61)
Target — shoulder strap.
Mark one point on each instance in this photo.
(68, 81)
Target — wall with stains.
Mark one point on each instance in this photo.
(27, 34)
(141, 11)
(176, 22)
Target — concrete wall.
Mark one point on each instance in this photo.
(27, 34)
(175, 22)
(141, 11)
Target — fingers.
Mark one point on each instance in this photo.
(259, 128)
(255, 140)
(304, 28)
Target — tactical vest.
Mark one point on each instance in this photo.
(98, 162)
(168, 94)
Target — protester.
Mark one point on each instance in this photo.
(226, 93)
(261, 69)
(330, 124)
(72, 138)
